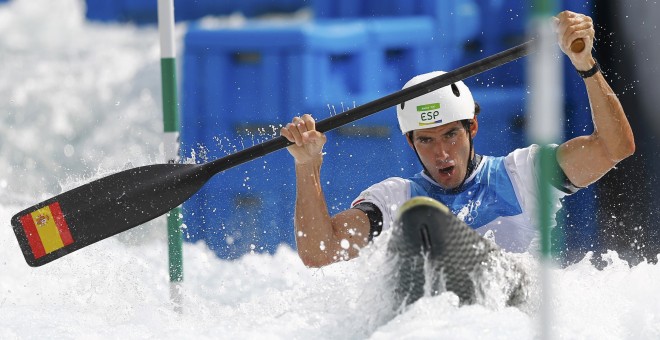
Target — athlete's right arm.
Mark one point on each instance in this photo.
(321, 239)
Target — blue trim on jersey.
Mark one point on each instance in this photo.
(487, 196)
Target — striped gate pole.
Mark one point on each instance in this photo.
(546, 104)
(171, 142)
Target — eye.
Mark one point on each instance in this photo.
(450, 135)
(424, 140)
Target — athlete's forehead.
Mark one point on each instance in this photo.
(439, 130)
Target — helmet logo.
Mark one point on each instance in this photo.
(429, 114)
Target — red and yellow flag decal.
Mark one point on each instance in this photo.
(46, 230)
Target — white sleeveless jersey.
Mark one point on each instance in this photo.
(500, 196)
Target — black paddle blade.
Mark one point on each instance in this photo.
(103, 208)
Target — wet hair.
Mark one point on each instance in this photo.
(467, 122)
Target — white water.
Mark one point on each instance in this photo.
(80, 100)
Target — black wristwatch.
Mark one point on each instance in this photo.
(590, 72)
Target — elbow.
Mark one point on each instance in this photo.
(311, 263)
(617, 150)
(625, 150)
(630, 147)
(314, 261)
(313, 256)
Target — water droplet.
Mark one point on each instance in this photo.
(69, 150)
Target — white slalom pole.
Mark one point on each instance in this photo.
(546, 104)
(171, 142)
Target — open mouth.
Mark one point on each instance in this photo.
(447, 170)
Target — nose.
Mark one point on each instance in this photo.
(441, 152)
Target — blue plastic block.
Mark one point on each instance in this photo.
(453, 22)
(501, 121)
(400, 48)
(366, 9)
(362, 154)
(266, 74)
(246, 208)
(267, 70)
(464, 30)
(337, 9)
(261, 7)
(145, 11)
(103, 10)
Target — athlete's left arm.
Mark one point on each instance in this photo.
(585, 159)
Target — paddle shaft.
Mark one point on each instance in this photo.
(377, 105)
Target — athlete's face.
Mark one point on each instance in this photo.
(445, 151)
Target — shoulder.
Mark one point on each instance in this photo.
(525, 159)
(523, 156)
(381, 191)
(392, 183)
(387, 196)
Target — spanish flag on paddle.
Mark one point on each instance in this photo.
(45, 230)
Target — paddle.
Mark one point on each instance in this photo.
(110, 205)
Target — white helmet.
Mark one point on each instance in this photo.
(442, 106)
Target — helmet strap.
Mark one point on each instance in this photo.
(472, 162)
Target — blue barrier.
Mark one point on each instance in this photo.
(236, 80)
(253, 77)
(266, 73)
(400, 48)
(501, 121)
(372, 8)
(145, 11)
(464, 30)
(364, 153)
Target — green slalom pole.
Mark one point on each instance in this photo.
(171, 142)
(546, 109)
(546, 104)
